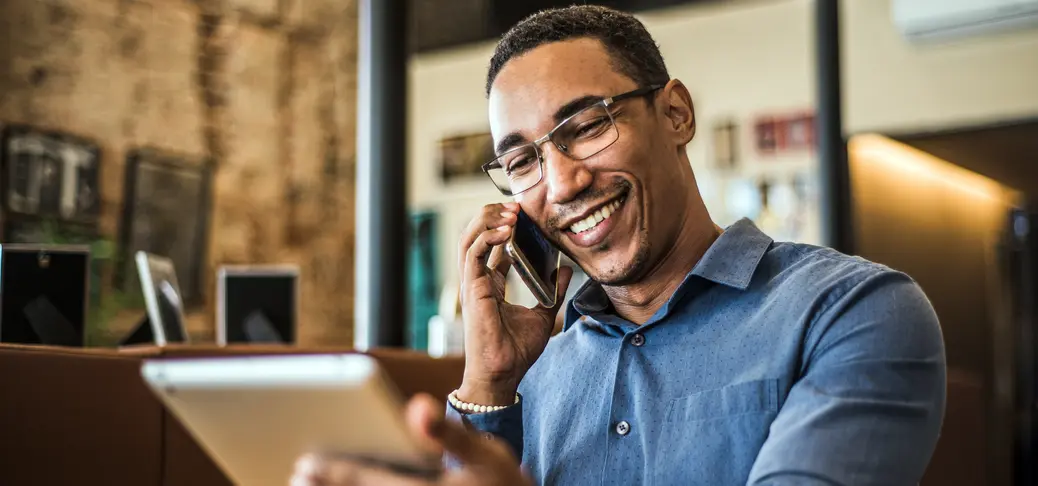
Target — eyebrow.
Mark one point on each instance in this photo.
(567, 110)
(510, 141)
(571, 108)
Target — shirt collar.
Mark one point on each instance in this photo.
(733, 258)
(731, 261)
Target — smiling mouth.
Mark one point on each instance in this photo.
(598, 217)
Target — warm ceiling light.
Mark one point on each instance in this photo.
(871, 151)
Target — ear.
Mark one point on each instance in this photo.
(679, 111)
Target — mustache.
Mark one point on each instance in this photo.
(585, 199)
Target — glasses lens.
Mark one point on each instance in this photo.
(586, 133)
(516, 170)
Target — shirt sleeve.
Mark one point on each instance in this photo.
(868, 406)
(505, 424)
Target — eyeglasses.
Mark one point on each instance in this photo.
(582, 135)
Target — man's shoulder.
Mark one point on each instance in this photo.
(820, 277)
(810, 266)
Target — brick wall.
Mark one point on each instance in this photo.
(263, 88)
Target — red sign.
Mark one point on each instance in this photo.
(775, 134)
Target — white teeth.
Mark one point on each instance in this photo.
(597, 217)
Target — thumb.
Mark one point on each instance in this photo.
(435, 433)
(422, 412)
(470, 447)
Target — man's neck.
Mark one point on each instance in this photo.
(638, 302)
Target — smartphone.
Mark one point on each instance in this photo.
(535, 259)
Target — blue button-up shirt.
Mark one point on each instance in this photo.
(772, 363)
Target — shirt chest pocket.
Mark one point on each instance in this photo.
(749, 397)
(712, 437)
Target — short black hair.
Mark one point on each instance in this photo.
(634, 52)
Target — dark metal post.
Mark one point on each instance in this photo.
(381, 225)
(1024, 288)
(834, 177)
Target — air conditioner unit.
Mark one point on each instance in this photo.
(929, 20)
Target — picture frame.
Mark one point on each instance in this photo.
(726, 144)
(257, 304)
(766, 131)
(800, 131)
(167, 205)
(462, 156)
(162, 298)
(789, 132)
(49, 175)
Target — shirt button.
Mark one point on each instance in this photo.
(623, 427)
(638, 340)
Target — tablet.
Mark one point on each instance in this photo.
(256, 415)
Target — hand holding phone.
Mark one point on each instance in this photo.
(535, 259)
(503, 340)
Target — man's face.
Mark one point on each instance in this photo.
(638, 178)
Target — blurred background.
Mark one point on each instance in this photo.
(226, 132)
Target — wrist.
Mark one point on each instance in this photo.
(496, 394)
(466, 407)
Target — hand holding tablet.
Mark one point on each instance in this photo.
(256, 416)
(484, 461)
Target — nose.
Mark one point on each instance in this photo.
(563, 176)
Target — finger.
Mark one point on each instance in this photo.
(490, 217)
(298, 479)
(499, 261)
(476, 257)
(467, 446)
(325, 471)
(348, 473)
(421, 413)
(426, 416)
(305, 470)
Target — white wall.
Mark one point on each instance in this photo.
(445, 97)
(739, 61)
(893, 85)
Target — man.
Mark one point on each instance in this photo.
(695, 355)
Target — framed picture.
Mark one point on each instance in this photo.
(50, 175)
(800, 131)
(166, 211)
(790, 132)
(463, 156)
(726, 145)
(766, 135)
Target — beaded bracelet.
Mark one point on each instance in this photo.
(474, 408)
